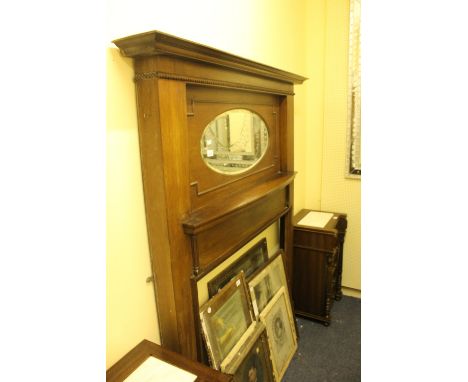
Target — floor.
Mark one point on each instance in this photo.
(329, 354)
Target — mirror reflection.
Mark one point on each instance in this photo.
(234, 141)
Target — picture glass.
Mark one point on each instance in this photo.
(228, 324)
(225, 318)
(249, 262)
(279, 323)
(265, 285)
(255, 367)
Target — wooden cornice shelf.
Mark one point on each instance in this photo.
(209, 216)
(158, 43)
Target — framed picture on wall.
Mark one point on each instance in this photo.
(282, 339)
(225, 318)
(252, 362)
(249, 262)
(264, 285)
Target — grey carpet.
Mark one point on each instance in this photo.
(329, 354)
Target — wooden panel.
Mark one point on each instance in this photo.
(209, 216)
(208, 93)
(205, 104)
(174, 68)
(194, 72)
(227, 235)
(319, 240)
(309, 282)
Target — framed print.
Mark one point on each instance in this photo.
(225, 318)
(249, 262)
(353, 130)
(252, 362)
(267, 282)
(282, 339)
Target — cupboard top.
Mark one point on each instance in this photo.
(337, 223)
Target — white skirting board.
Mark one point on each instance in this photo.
(351, 292)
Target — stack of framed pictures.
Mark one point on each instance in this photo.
(272, 306)
(248, 325)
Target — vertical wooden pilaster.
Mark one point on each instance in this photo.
(163, 145)
(173, 119)
(156, 209)
(287, 165)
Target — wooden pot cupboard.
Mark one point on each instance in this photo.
(318, 265)
(198, 217)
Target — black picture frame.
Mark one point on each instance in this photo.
(249, 262)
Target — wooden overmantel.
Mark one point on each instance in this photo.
(197, 218)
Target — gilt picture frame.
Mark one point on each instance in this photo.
(225, 318)
(249, 262)
(253, 361)
(281, 331)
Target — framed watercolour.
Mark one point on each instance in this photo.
(225, 318)
(282, 340)
(252, 362)
(249, 262)
(267, 282)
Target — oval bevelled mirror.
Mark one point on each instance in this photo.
(234, 141)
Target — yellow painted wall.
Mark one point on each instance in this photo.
(130, 304)
(339, 193)
(321, 152)
(308, 143)
(291, 35)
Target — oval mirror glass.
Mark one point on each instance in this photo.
(234, 141)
